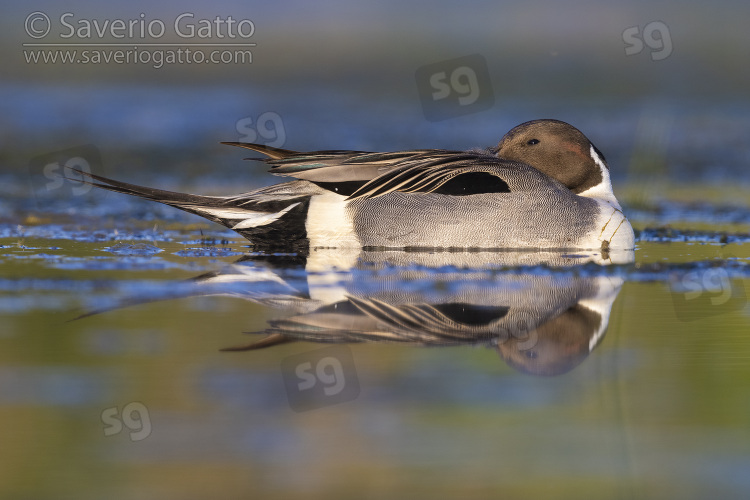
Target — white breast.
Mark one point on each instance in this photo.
(611, 225)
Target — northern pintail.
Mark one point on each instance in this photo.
(545, 185)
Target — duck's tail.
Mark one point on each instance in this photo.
(269, 217)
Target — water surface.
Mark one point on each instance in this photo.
(429, 374)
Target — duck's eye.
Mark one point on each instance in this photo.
(531, 142)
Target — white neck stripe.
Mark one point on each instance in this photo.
(603, 190)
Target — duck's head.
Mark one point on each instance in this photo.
(562, 152)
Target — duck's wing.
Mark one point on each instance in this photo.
(361, 174)
(340, 171)
(457, 174)
(370, 320)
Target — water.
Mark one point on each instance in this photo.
(472, 375)
(148, 352)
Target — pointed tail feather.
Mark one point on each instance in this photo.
(213, 208)
(273, 153)
(255, 219)
(172, 198)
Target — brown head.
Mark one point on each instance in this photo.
(559, 150)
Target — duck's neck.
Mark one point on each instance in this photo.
(603, 190)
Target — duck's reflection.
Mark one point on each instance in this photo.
(541, 320)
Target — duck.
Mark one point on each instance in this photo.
(543, 186)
